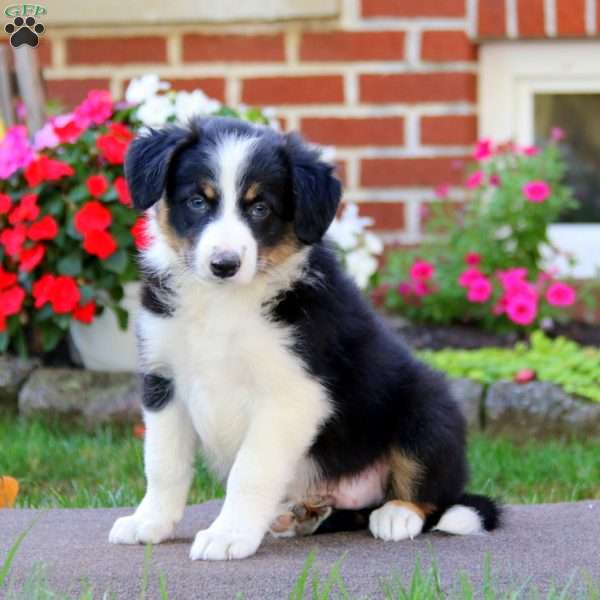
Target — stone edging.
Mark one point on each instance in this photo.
(520, 410)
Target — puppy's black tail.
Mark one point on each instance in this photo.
(472, 513)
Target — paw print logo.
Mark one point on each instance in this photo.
(24, 31)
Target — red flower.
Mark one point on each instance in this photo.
(45, 229)
(31, 258)
(46, 169)
(42, 289)
(66, 129)
(95, 109)
(113, 144)
(85, 313)
(12, 240)
(92, 216)
(64, 294)
(26, 210)
(123, 191)
(11, 300)
(5, 203)
(97, 185)
(100, 244)
(7, 279)
(139, 231)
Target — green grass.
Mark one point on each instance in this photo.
(60, 465)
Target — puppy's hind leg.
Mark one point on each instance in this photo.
(169, 448)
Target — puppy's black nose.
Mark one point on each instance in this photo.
(225, 264)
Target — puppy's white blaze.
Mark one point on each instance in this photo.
(229, 232)
(460, 520)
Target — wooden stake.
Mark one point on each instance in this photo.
(30, 86)
(6, 103)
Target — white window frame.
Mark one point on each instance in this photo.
(511, 73)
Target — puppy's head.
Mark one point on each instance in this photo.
(232, 199)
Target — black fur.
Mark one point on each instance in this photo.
(157, 391)
(383, 398)
(156, 296)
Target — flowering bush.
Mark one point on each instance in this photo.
(485, 262)
(358, 247)
(67, 231)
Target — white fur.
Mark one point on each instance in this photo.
(229, 232)
(394, 523)
(249, 399)
(460, 520)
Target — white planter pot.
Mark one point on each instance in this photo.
(102, 345)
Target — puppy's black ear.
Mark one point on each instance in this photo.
(147, 163)
(316, 190)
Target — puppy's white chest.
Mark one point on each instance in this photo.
(229, 362)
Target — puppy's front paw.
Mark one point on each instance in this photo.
(393, 522)
(218, 544)
(139, 530)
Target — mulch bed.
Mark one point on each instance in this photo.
(469, 337)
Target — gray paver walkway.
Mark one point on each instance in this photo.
(545, 542)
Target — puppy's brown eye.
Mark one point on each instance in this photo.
(198, 204)
(259, 210)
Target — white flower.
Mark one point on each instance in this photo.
(360, 265)
(190, 104)
(271, 115)
(142, 88)
(373, 243)
(155, 111)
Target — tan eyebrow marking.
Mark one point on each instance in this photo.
(208, 190)
(252, 192)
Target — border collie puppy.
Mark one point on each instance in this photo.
(256, 347)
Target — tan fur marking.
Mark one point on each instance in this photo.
(275, 255)
(252, 192)
(165, 227)
(421, 509)
(208, 190)
(405, 474)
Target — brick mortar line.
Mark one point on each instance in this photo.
(257, 70)
(391, 109)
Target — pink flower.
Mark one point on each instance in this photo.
(45, 138)
(531, 150)
(495, 180)
(536, 191)
(475, 179)
(405, 288)
(483, 149)
(480, 290)
(442, 190)
(468, 277)
(420, 289)
(557, 134)
(422, 270)
(521, 309)
(66, 128)
(94, 110)
(472, 259)
(560, 294)
(15, 151)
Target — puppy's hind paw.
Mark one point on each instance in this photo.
(223, 545)
(137, 530)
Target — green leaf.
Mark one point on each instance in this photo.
(117, 262)
(51, 336)
(122, 316)
(70, 264)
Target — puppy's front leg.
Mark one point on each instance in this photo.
(264, 466)
(169, 448)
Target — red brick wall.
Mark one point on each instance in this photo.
(391, 83)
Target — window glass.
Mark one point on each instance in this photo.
(579, 116)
